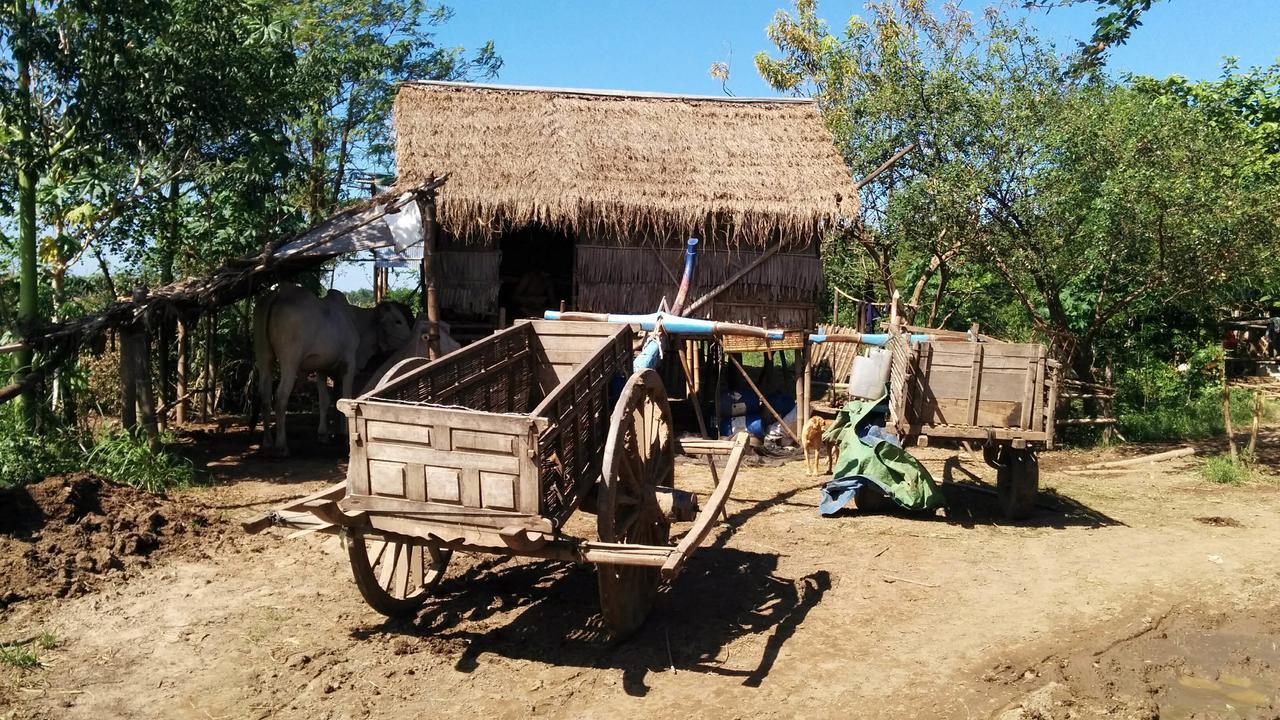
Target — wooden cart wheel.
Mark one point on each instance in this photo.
(1017, 482)
(395, 576)
(639, 455)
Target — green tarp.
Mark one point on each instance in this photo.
(901, 476)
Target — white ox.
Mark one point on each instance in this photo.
(415, 347)
(304, 333)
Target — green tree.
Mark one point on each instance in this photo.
(106, 105)
(1080, 202)
(351, 56)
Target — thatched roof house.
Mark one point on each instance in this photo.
(608, 185)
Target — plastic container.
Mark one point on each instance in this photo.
(869, 374)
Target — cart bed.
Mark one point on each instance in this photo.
(502, 434)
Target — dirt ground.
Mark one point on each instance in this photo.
(1139, 595)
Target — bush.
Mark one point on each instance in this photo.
(1220, 469)
(1195, 419)
(127, 459)
(26, 457)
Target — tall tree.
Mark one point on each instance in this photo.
(1088, 200)
(351, 56)
(108, 105)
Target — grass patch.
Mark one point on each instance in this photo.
(19, 656)
(47, 641)
(126, 459)
(1220, 469)
(1194, 420)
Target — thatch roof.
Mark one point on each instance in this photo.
(623, 165)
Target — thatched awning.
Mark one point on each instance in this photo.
(623, 165)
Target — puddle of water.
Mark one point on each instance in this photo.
(1224, 675)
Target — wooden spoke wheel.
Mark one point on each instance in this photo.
(1017, 482)
(395, 576)
(639, 455)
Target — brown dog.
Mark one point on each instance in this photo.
(811, 437)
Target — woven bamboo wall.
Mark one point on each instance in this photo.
(783, 289)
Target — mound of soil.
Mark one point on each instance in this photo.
(61, 536)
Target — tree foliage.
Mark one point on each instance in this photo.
(1078, 203)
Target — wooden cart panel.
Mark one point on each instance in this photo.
(501, 434)
(980, 390)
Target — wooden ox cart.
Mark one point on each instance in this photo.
(493, 447)
(999, 395)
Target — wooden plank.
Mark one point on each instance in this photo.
(443, 458)
(415, 482)
(438, 512)
(989, 362)
(1038, 395)
(1025, 351)
(1051, 405)
(358, 462)
(715, 503)
(564, 357)
(530, 475)
(1029, 395)
(955, 411)
(500, 443)
(695, 446)
(975, 381)
(581, 343)
(974, 433)
(953, 384)
(383, 430)
(407, 414)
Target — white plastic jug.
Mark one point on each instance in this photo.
(869, 374)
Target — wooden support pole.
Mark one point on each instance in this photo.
(692, 392)
(181, 391)
(430, 232)
(146, 392)
(751, 383)
(128, 385)
(1226, 414)
(208, 409)
(1257, 423)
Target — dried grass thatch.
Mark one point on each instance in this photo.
(623, 166)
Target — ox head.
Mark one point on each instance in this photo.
(395, 325)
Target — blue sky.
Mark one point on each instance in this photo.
(668, 45)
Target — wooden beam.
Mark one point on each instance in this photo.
(430, 302)
(763, 401)
(733, 279)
